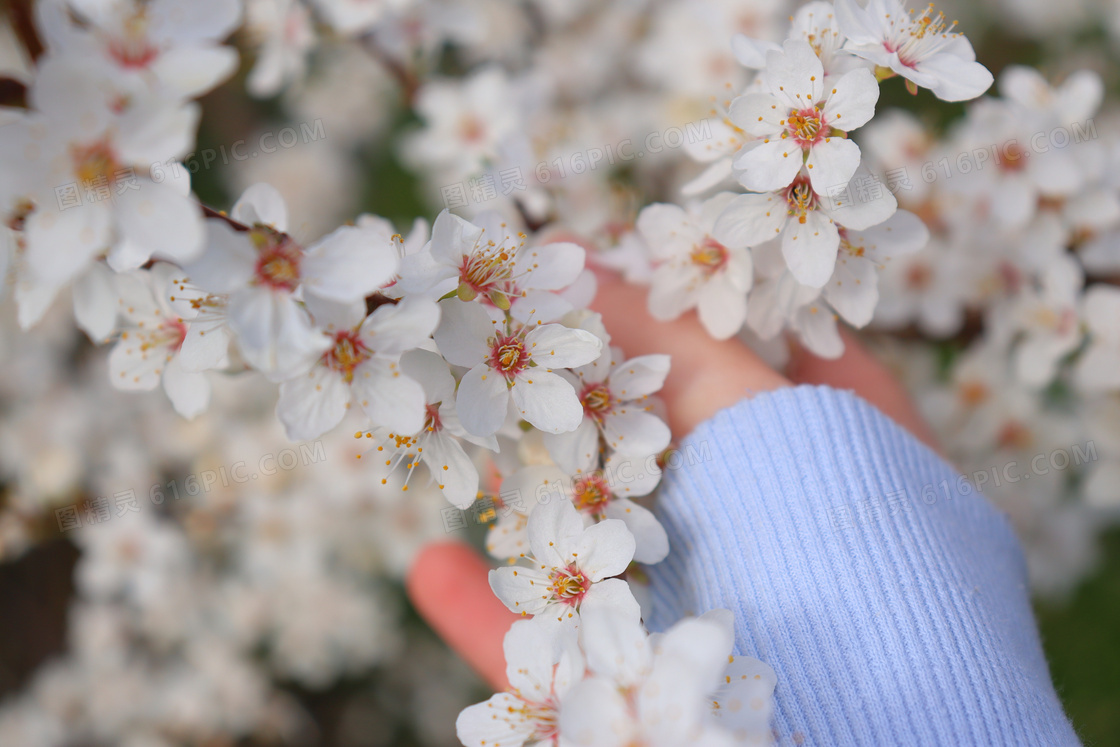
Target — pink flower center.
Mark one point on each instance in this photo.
(569, 585)
(508, 355)
(96, 164)
(801, 198)
(278, 259)
(806, 126)
(973, 393)
(431, 418)
(486, 270)
(347, 354)
(169, 336)
(1015, 435)
(1013, 157)
(471, 129)
(915, 38)
(591, 493)
(597, 401)
(177, 329)
(919, 276)
(710, 256)
(132, 49)
(541, 714)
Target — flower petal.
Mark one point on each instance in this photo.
(261, 203)
(605, 549)
(632, 430)
(722, 309)
(832, 164)
(769, 166)
(758, 114)
(852, 101)
(557, 346)
(395, 328)
(499, 720)
(312, 403)
(482, 401)
(161, 221)
(188, 391)
(751, 219)
(522, 590)
(651, 543)
(390, 399)
(547, 401)
(809, 248)
(549, 267)
(795, 75)
(640, 376)
(462, 332)
(348, 264)
(958, 79)
(575, 451)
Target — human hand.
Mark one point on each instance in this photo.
(448, 582)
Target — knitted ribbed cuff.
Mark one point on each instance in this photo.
(888, 595)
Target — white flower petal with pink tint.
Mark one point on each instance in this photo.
(550, 266)
(462, 332)
(751, 219)
(851, 102)
(61, 242)
(395, 328)
(191, 71)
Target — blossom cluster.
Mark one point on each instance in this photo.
(459, 363)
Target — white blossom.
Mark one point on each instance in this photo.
(569, 565)
(921, 47)
(513, 362)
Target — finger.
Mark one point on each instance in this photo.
(448, 585)
(861, 372)
(705, 375)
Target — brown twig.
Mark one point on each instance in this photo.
(21, 14)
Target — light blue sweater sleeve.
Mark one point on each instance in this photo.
(889, 596)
